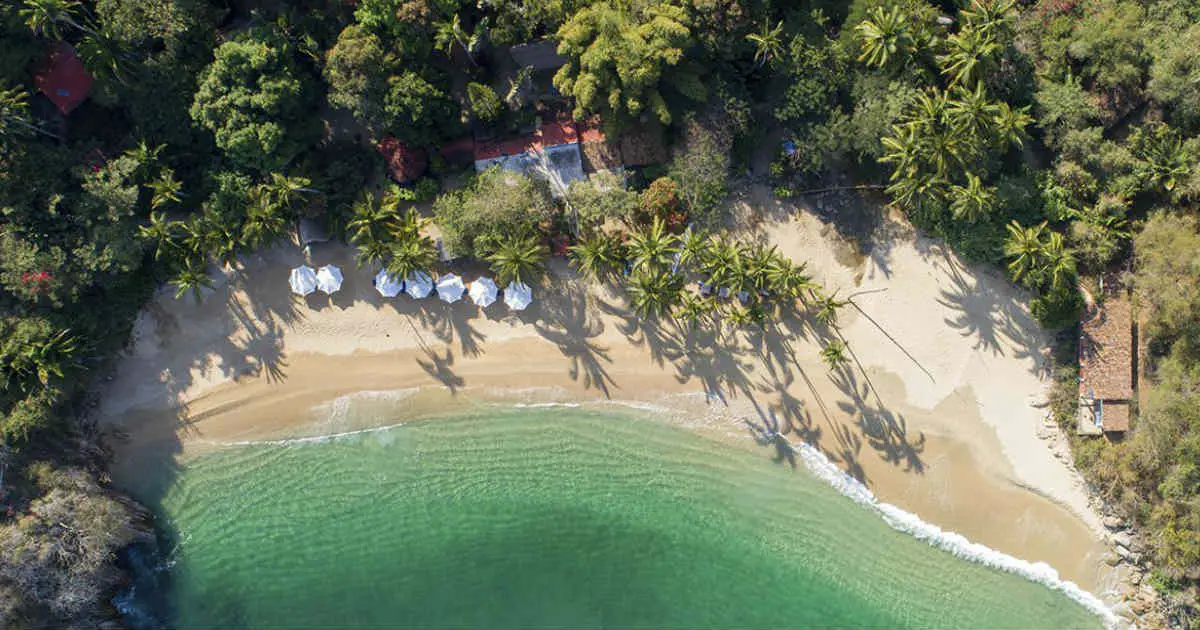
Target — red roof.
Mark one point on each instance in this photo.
(456, 151)
(589, 131)
(404, 163)
(63, 79)
(548, 135)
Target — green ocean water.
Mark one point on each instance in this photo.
(554, 517)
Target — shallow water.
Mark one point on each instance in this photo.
(554, 517)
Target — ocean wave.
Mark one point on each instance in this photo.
(541, 405)
(952, 542)
(315, 439)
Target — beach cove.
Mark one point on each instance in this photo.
(939, 416)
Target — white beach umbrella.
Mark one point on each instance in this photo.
(418, 284)
(388, 286)
(518, 296)
(450, 288)
(329, 279)
(303, 280)
(483, 292)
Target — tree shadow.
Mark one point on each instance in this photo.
(766, 433)
(567, 322)
(885, 431)
(442, 369)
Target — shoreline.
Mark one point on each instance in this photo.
(927, 424)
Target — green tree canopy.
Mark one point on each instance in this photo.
(257, 102)
(624, 61)
(496, 205)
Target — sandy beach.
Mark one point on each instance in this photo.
(940, 414)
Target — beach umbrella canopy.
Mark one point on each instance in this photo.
(483, 292)
(303, 280)
(450, 288)
(418, 284)
(329, 279)
(388, 286)
(518, 296)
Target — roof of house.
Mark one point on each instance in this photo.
(541, 55)
(63, 79)
(547, 135)
(457, 151)
(1106, 351)
(1114, 416)
(404, 163)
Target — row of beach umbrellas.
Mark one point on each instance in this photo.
(418, 285)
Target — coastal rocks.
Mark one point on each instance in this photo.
(1123, 539)
(1113, 523)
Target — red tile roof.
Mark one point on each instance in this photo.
(63, 79)
(1106, 351)
(548, 135)
(404, 163)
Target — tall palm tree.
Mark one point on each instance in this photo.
(163, 233)
(654, 293)
(974, 201)
(1026, 249)
(401, 225)
(282, 192)
(768, 43)
(789, 281)
(409, 254)
(101, 53)
(264, 225)
(693, 248)
(760, 265)
(44, 17)
(599, 256)
(970, 50)
(885, 37)
(449, 33)
(209, 234)
(372, 220)
(165, 189)
(652, 248)
(693, 308)
(1009, 126)
(971, 110)
(147, 159)
(518, 259)
(1059, 265)
(191, 277)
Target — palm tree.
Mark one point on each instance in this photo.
(652, 248)
(655, 293)
(402, 225)
(165, 189)
(760, 265)
(1059, 266)
(191, 277)
(372, 220)
(518, 259)
(599, 256)
(827, 308)
(768, 43)
(834, 353)
(100, 53)
(1009, 125)
(409, 254)
(969, 50)
(14, 115)
(162, 233)
(283, 191)
(209, 234)
(147, 159)
(971, 110)
(449, 33)
(722, 263)
(885, 37)
(264, 224)
(40, 357)
(741, 316)
(974, 201)
(1165, 157)
(1026, 247)
(989, 15)
(789, 281)
(693, 248)
(43, 17)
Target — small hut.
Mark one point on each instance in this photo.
(63, 79)
(405, 164)
(1106, 365)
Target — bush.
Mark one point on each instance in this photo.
(495, 204)
(1058, 308)
(485, 103)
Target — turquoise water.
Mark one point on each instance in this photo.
(555, 517)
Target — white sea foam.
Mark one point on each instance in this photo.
(315, 438)
(952, 542)
(544, 404)
(633, 404)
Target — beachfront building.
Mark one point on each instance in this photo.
(63, 79)
(1106, 364)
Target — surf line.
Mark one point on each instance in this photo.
(315, 438)
(957, 544)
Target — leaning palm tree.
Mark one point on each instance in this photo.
(191, 277)
(654, 293)
(834, 354)
(827, 308)
(412, 253)
(165, 189)
(598, 257)
(1026, 250)
(768, 43)
(884, 36)
(449, 33)
(652, 248)
(163, 233)
(518, 259)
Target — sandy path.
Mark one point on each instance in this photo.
(939, 419)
